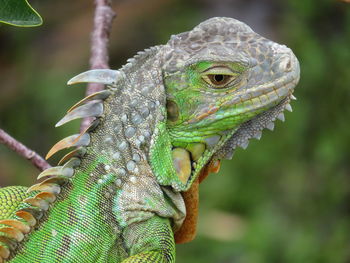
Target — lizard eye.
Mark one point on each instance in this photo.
(219, 77)
(218, 80)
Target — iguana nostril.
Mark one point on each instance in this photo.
(286, 64)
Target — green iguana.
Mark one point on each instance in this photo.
(164, 121)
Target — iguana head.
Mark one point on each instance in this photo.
(222, 79)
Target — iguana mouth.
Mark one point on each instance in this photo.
(240, 137)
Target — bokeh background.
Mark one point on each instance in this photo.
(284, 199)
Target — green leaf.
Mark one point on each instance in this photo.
(19, 13)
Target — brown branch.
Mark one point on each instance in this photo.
(23, 151)
(99, 45)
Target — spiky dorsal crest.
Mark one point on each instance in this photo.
(42, 195)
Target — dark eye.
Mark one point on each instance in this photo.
(219, 79)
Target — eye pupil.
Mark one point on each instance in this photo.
(219, 78)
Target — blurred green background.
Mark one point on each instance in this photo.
(285, 198)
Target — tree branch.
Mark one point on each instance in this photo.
(23, 151)
(99, 45)
(99, 59)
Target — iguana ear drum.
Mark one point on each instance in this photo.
(172, 110)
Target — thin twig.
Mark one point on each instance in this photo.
(23, 151)
(99, 45)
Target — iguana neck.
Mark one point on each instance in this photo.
(131, 113)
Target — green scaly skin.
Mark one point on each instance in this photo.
(118, 198)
